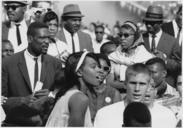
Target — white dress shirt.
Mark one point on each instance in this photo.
(176, 30)
(157, 38)
(23, 34)
(69, 41)
(30, 63)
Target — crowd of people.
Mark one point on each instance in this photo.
(55, 74)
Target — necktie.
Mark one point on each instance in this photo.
(153, 44)
(18, 34)
(35, 72)
(73, 46)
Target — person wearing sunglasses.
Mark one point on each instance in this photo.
(99, 39)
(15, 28)
(105, 94)
(131, 50)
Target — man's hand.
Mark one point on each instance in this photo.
(3, 100)
(41, 93)
(160, 54)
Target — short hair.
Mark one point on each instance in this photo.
(104, 57)
(50, 15)
(99, 26)
(34, 26)
(103, 47)
(156, 60)
(136, 111)
(136, 69)
(179, 9)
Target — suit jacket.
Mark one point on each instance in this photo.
(168, 45)
(16, 84)
(168, 28)
(5, 29)
(85, 41)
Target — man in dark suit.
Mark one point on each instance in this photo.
(161, 44)
(70, 33)
(29, 78)
(15, 28)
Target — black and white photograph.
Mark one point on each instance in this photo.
(96, 64)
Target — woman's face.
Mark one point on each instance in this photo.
(104, 68)
(90, 72)
(127, 37)
(53, 27)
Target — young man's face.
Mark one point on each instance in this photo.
(137, 85)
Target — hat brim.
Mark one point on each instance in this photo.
(73, 15)
(152, 19)
(23, 3)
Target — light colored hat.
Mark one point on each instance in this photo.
(154, 13)
(72, 10)
(20, 2)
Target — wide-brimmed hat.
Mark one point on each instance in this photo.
(72, 10)
(154, 13)
(20, 2)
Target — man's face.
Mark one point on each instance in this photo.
(137, 85)
(15, 11)
(73, 24)
(7, 50)
(40, 41)
(99, 32)
(153, 26)
(178, 18)
(158, 74)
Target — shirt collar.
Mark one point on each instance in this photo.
(67, 32)
(157, 34)
(31, 56)
(21, 23)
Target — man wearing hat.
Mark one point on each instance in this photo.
(15, 29)
(70, 33)
(161, 44)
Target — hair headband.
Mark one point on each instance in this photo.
(131, 25)
(80, 62)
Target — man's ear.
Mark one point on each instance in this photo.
(164, 73)
(29, 38)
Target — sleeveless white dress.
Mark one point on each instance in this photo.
(60, 114)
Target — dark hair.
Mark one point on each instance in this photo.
(34, 26)
(70, 74)
(99, 26)
(139, 112)
(103, 47)
(135, 69)
(126, 26)
(179, 9)
(104, 57)
(6, 41)
(156, 60)
(50, 15)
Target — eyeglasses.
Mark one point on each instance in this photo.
(13, 7)
(99, 32)
(126, 35)
(107, 69)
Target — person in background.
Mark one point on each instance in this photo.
(160, 43)
(70, 30)
(131, 50)
(137, 81)
(174, 28)
(15, 28)
(136, 114)
(158, 69)
(56, 48)
(99, 38)
(72, 107)
(28, 80)
(7, 49)
(162, 117)
(108, 47)
(115, 36)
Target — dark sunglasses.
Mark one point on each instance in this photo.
(107, 69)
(126, 35)
(99, 32)
(13, 7)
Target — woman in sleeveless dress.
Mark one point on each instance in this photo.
(72, 106)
